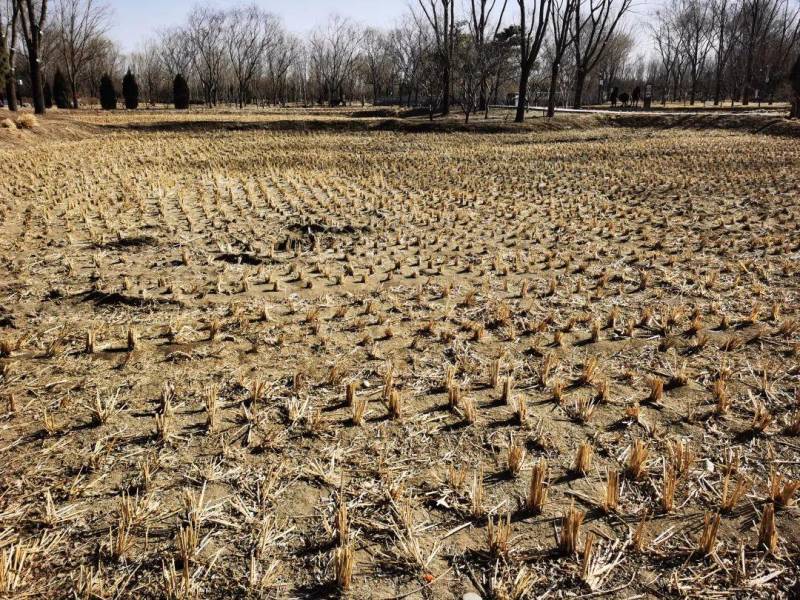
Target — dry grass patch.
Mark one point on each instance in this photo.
(393, 365)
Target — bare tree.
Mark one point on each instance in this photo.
(175, 51)
(106, 59)
(149, 70)
(794, 82)
(283, 53)
(678, 75)
(8, 48)
(78, 23)
(781, 45)
(695, 26)
(376, 53)
(594, 24)
(484, 32)
(467, 76)
(725, 15)
(333, 51)
(532, 30)
(616, 58)
(505, 60)
(32, 16)
(756, 21)
(409, 44)
(561, 15)
(302, 67)
(440, 15)
(247, 38)
(205, 32)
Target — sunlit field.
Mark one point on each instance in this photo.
(296, 355)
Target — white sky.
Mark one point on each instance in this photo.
(138, 20)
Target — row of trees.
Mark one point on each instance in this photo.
(712, 49)
(470, 53)
(438, 55)
(40, 37)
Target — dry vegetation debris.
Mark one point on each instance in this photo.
(298, 364)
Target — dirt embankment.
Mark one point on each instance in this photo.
(746, 123)
(71, 126)
(55, 126)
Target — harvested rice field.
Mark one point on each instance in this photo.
(266, 357)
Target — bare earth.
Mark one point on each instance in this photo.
(240, 355)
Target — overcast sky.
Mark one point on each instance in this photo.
(137, 20)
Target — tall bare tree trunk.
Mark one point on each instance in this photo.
(748, 76)
(721, 52)
(522, 99)
(532, 37)
(580, 83)
(11, 84)
(32, 32)
(11, 93)
(445, 105)
(551, 95)
(717, 88)
(442, 22)
(74, 89)
(10, 48)
(37, 90)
